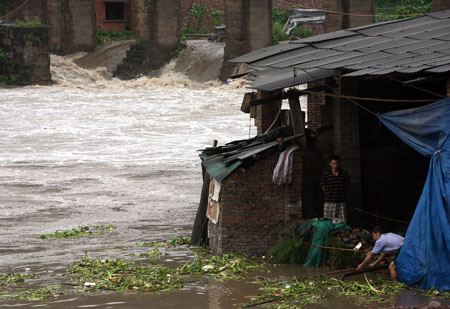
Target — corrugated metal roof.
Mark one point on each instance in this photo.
(440, 69)
(288, 79)
(266, 52)
(405, 46)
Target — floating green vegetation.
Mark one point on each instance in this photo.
(227, 266)
(13, 278)
(81, 231)
(439, 294)
(73, 233)
(177, 241)
(153, 255)
(300, 293)
(122, 275)
(35, 295)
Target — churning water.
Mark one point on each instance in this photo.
(94, 150)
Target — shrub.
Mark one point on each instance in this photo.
(104, 36)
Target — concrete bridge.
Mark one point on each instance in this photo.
(72, 24)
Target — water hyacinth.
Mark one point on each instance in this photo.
(227, 266)
(299, 293)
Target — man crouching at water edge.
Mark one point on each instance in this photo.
(389, 245)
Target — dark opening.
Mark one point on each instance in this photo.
(393, 174)
(115, 10)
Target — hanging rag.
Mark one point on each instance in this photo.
(283, 170)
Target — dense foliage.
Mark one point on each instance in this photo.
(398, 9)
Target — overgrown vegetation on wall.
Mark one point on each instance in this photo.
(202, 19)
(104, 36)
(5, 66)
(397, 9)
(35, 22)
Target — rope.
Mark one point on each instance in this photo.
(381, 217)
(276, 118)
(14, 11)
(349, 14)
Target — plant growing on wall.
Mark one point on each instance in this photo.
(394, 9)
(6, 66)
(197, 14)
(104, 36)
(35, 22)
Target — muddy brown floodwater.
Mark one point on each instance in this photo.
(91, 150)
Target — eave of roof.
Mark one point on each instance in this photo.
(414, 45)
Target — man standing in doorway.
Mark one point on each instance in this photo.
(334, 183)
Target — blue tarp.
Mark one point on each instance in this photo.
(424, 260)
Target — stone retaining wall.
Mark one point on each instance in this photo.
(27, 60)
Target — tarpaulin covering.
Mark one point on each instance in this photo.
(424, 260)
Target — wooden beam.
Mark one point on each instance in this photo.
(298, 124)
(277, 97)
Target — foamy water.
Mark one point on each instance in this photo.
(92, 150)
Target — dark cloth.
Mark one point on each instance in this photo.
(335, 186)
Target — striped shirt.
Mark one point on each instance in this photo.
(335, 186)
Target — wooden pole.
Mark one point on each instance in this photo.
(200, 229)
(365, 270)
(341, 249)
(298, 123)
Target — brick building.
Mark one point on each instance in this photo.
(351, 76)
(114, 15)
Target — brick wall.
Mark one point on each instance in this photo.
(335, 22)
(103, 24)
(284, 4)
(345, 116)
(315, 103)
(254, 211)
(266, 113)
(439, 5)
(27, 49)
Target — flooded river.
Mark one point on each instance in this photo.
(91, 151)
